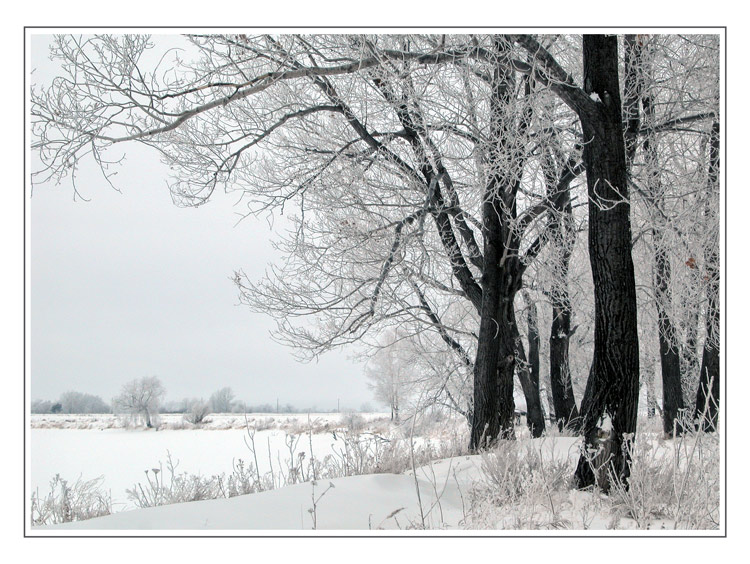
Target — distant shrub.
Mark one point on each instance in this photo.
(41, 406)
(353, 421)
(77, 402)
(198, 412)
(73, 403)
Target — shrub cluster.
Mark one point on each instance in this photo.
(70, 502)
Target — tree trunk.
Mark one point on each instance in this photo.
(707, 399)
(650, 388)
(690, 367)
(562, 234)
(614, 374)
(496, 351)
(566, 412)
(528, 370)
(502, 269)
(669, 353)
(550, 400)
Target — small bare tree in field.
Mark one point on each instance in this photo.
(140, 398)
(389, 372)
(222, 401)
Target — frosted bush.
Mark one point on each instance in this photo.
(84, 499)
(164, 488)
(353, 421)
(674, 484)
(198, 412)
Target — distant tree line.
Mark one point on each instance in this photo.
(72, 402)
(144, 398)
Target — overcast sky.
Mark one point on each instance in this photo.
(129, 285)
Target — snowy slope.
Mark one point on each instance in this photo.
(354, 503)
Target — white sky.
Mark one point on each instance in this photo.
(129, 285)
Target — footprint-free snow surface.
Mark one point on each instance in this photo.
(375, 501)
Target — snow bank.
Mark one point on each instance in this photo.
(376, 501)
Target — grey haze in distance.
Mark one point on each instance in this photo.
(127, 285)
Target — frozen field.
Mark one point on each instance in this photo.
(92, 446)
(297, 422)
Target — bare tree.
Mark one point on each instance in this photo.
(665, 164)
(222, 400)
(381, 166)
(612, 388)
(140, 398)
(608, 147)
(420, 177)
(391, 374)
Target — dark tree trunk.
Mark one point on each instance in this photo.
(650, 391)
(550, 399)
(566, 411)
(614, 375)
(669, 353)
(495, 361)
(502, 269)
(562, 234)
(528, 370)
(707, 399)
(496, 350)
(690, 366)
(506, 368)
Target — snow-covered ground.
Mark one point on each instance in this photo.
(90, 446)
(519, 485)
(376, 501)
(214, 422)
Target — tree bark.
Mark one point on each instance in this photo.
(566, 411)
(690, 359)
(528, 370)
(561, 228)
(614, 374)
(707, 399)
(495, 361)
(669, 352)
(650, 388)
(550, 399)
